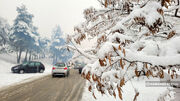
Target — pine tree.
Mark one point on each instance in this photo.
(23, 36)
(4, 31)
(57, 48)
(44, 46)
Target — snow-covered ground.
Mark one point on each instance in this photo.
(145, 93)
(7, 78)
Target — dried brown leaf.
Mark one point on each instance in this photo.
(147, 73)
(135, 97)
(137, 73)
(114, 94)
(122, 82)
(90, 88)
(119, 47)
(94, 77)
(160, 11)
(121, 64)
(114, 49)
(172, 76)
(162, 74)
(176, 76)
(146, 65)
(168, 1)
(120, 94)
(124, 52)
(140, 48)
(83, 75)
(106, 3)
(116, 76)
(168, 71)
(109, 58)
(101, 62)
(171, 34)
(94, 96)
(165, 4)
(88, 76)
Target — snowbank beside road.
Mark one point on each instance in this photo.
(8, 78)
(10, 58)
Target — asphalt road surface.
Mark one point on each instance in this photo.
(47, 89)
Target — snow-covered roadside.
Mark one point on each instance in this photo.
(7, 78)
(145, 93)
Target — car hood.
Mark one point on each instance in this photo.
(17, 66)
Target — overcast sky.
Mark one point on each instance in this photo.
(49, 13)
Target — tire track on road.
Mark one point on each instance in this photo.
(47, 89)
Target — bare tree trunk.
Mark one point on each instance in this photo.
(177, 9)
(36, 56)
(56, 58)
(30, 56)
(39, 55)
(25, 59)
(19, 57)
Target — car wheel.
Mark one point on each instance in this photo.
(21, 72)
(53, 75)
(41, 71)
(79, 71)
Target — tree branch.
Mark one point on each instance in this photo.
(83, 54)
(177, 10)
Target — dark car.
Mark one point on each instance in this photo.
(79, 66)
(29, 67)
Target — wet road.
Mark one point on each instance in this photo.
(47, 89)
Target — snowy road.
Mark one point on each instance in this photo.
(47, 89)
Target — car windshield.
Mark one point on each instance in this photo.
(25, 63)
(80, 64)
(60, 64)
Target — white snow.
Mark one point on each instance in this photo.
(148, 12)
(145, 93)
(148, 39)
(120, 36)
(7, 78)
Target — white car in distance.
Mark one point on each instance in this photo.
(60, 69)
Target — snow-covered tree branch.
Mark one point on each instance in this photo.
(131, 36)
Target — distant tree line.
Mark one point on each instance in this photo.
(23, 36)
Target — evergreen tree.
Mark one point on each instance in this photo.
(57, 48)
(4, 31)
(23, 35)
(33, 47)
(44, 46)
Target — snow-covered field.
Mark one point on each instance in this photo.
(7, 78)
(145, 93)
